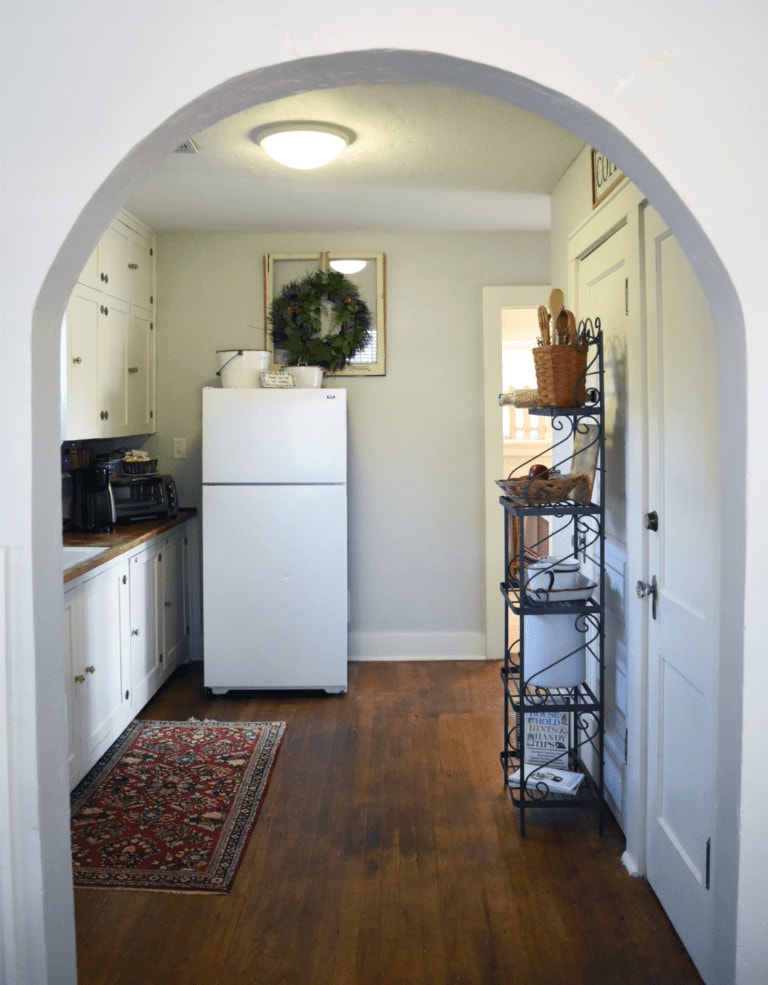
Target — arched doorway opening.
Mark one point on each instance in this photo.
(358, 68)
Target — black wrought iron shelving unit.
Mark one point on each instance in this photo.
(531, 688)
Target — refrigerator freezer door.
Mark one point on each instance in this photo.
(264, 435)
(275, 587)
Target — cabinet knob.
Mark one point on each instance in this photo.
(134, 632)
(79, 678)
(168, 605)
(132, 370)
(133, 266)
(90, 670)
(77, 360)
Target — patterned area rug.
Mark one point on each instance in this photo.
(171, 805)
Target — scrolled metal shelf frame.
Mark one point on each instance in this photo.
(584, 523)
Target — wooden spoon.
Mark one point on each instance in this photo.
(573, 332)
(556, 302)
(544, 324)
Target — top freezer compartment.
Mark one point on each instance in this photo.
(274, 436)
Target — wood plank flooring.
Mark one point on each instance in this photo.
(387, 851)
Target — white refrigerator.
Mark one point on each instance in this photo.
(275, 539)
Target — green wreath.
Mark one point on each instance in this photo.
(296, 319)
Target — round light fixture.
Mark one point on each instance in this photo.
(301, 144)
(347, 266)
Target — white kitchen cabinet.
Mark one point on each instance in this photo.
(112, 387)
(140, 269)
(172, 594)
(98, 692)
(126, 631)
(140, 372)
(110, 339)
(158, 590)
(97, 332)
(81, 377)
(143, 632)
(112, 253)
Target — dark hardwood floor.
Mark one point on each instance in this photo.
(387, 851)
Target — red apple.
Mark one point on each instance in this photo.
(538, 472)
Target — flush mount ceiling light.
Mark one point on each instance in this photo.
(303, 145)
(347, 266)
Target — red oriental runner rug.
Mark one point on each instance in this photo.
(171, 805)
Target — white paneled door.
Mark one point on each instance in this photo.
(602, 285)
(683, 556)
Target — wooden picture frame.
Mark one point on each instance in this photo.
(606, 177)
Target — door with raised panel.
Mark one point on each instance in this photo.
(602, 279)
(684, 557)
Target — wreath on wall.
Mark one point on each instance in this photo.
(297, 316)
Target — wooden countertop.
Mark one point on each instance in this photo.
(121, 540)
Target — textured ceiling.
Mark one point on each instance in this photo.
(425, 158)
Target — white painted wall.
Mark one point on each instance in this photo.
(416, 474)
(92, 102)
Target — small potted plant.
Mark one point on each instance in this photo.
(304, 308)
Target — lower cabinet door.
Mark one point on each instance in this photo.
(143, 622)
(172, 601)
(96, 614)
(72, 637)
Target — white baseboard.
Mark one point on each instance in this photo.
(630, 863)
(417, 646)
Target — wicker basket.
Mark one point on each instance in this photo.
(560, 375)
(140, 468)
(542, 492)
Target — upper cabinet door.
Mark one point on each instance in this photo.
(113, 261)
(139, 270)
(140, 379)
(81, 399)
(109, 370)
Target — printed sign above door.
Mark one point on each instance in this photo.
(605, 177)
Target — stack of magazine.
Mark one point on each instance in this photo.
(548, 779)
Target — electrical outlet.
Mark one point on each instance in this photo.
(179, 447)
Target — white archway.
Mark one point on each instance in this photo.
(364, 67)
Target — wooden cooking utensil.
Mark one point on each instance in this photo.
(573, 332)
(556, 302)
(544, 324)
